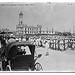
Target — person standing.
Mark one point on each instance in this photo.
(47, 47)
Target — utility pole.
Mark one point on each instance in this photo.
(73, 29)
(47, 30)
(52, 30)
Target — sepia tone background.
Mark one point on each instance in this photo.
(60, 16)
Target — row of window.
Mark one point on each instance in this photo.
(28, 28)
(28, 32)
(21, 31)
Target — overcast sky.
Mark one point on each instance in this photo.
(60, 16)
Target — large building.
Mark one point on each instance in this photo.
(22, 29)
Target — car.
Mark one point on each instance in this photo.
(20, 56)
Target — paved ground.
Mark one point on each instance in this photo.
(57, 61)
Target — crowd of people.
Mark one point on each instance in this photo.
(37, 41)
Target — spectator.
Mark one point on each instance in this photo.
(11, 39)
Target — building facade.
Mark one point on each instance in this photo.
(22, 29)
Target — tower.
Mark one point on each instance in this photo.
(20, 18)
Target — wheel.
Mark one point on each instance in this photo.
(1, 69)
(8, 68)
(3, 65)
(38, 67)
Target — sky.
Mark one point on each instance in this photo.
(60, 16)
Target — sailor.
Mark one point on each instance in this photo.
(47, 46)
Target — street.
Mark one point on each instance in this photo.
(57, 61)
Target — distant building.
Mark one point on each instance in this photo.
(22, 29)
(63, 33)
(4, 30)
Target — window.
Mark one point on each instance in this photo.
(24, 50)
(25, 28)
(28, 28)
